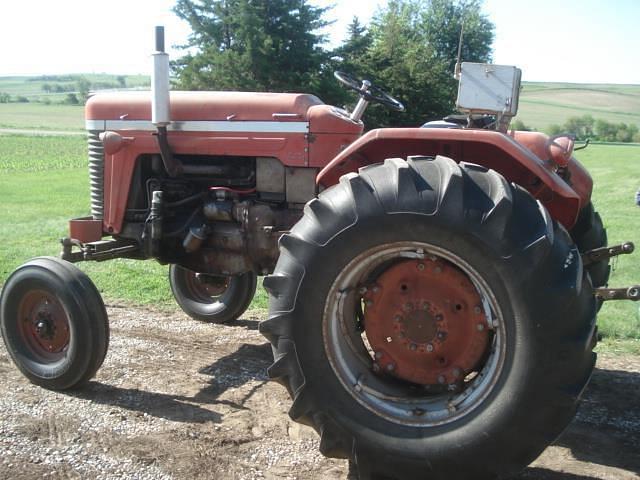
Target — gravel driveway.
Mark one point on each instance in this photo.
(185, 400)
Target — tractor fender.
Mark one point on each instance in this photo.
(495, 150)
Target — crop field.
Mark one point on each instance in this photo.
(43, 183)
(543, 104)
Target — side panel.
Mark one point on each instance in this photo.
(290, 148)
(488, 148)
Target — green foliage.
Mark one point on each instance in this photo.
(413, 52)
(263, 45)
(520, 125)
(586, 127)
(5, 97)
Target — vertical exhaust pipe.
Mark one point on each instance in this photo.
(160, 104)
(160, 110)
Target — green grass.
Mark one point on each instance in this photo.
(38, 116)
(543, 104)
(616, 173)
(43, 183)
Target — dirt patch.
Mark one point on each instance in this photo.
(185, 400)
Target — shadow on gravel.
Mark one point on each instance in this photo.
(247, 364)
(248, 324)
(606, 430)
(536, 473)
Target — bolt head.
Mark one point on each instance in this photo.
(421, 266)
(439, 317)
(375, 289)
(480, 327)
(477, 310)
(441, 379)
(413, 347)
(429, 347)
(391, 367)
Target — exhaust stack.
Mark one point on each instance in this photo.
(160, 110)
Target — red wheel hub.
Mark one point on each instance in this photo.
(44, 325)
(425, 322)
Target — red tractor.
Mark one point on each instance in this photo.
(433, 291)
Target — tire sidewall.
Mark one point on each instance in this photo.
(68, 370)
(517, 387)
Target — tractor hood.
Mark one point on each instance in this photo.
(294, 111)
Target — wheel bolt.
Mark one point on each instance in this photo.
(442, 335)
(362, 290)
(439, 317)
(477, 310)
(480, 327)
(441, 379)
(375, 289)
(421, 266)
(457, 372)
(429, 347)
(391, 367)
(413, 347)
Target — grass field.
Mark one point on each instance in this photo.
(32, 87)
(543, 104)
(43, 183)
(38, 116)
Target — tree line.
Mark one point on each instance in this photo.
(586, 127)
(409, 49)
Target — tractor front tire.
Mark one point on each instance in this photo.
(212, 299)
(430, 320)
(54, 323)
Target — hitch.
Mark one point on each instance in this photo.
(625, 293)
(597, 254)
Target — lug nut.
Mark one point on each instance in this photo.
(439, 317)
(429, 347)
(457, 372)
(362, 290)
(442, 335)
(480, 327)
(375, 289)
(441, 379)
(477, 310)
(421, 266)
(391, 367)
(413, 347)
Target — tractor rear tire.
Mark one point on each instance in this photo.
(589, 233)
(54, 323)
(488, 240)
(212, 299)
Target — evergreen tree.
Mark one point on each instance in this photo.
(263, 45)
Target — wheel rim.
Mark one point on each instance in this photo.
(206, 289)
(44, 326)
(389, 355)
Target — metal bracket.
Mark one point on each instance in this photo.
(625, 293)
(597, 254)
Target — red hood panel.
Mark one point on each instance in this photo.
(240, 106)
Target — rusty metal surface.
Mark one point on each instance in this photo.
(425, 322)
(43, 325)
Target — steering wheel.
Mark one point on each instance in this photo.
(369, 91)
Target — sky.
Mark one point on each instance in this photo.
(582, 41)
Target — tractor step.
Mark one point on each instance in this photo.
(597, 254)
(625, 293)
